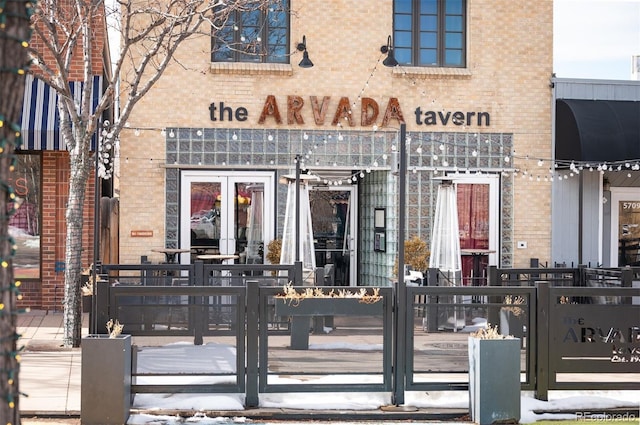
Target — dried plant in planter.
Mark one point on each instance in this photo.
(490, 332)
(87, 287)
(513, 305)
(293, 297)
(114, 328)
(416, 255)
(273, 251)
(274, 248)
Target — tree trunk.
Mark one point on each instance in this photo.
(13, 61)
(72, 322)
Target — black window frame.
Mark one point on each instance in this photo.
(227, 45)
(407, 41)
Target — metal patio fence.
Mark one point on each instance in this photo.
(579, 328)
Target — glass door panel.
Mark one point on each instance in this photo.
(226, 213)
(625, 226)
(205, 219)
(473, 223)
(334, 215)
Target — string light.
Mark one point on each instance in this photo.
(425, 155)
(10, 140)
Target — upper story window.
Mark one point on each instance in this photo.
(258, 33)
(430, 32)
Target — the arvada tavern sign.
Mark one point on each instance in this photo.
(296, 109)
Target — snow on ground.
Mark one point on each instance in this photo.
(186, 357)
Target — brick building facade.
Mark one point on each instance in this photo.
(220, 123)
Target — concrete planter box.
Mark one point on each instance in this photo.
(327, 307)
(494, 380)
(106, 380)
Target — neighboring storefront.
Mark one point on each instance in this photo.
(41, 182)
(204, 153)
(597, 143)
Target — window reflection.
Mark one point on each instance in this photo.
(24, 224)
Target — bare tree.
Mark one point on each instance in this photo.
(150, 33)
(15, 33)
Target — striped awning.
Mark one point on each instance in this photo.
(40, 120)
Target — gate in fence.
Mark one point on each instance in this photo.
(582, 335)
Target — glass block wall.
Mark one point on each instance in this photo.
(365, 156)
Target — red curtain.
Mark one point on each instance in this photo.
(473, 221)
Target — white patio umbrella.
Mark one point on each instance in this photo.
(445, 236)
(445, 244)
(255, 238)
(306, 252)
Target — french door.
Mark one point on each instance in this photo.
(334, 220)
(227, 213)
(477, 200)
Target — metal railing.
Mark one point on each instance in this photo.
(576, 326)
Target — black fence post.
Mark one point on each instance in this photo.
(494, 279)
(580, 276)
(253, 305)
(102, 306)
(627, 277)
(198, 309)
(543, 304)
(626, 282)
(493, 276)
(297, 273)
(432, 301)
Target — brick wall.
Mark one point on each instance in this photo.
(98, 38)
(48, 293)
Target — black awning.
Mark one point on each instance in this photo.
(597, 130)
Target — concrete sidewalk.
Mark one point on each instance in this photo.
(49, 373)
(50, 377)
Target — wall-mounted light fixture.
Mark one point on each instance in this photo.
(388, 48)
(302, 47)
